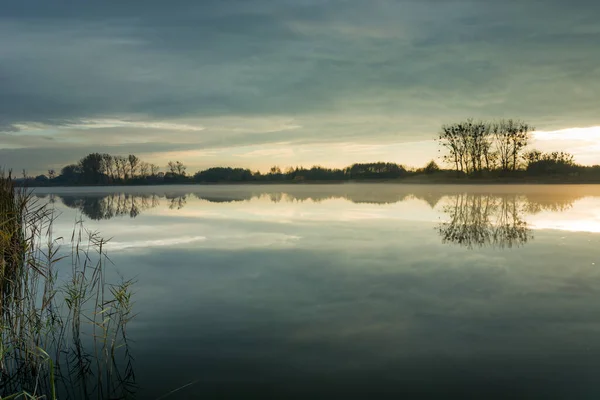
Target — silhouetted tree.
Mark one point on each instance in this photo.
(468, 145)
(473, 146)
(91, 168)
(539, 163)
(431, 167)
(154, 169)
(180, 168)
(134, 162)
(171, 167)
(121, 166)
(275, 173)
(108, 163)
(317, 173)
(71, 173)
(511, 137)
(379, 170)
(223, 174)
(144, 169)
(176, 168)
(451, 138)
(41, 179)
(532, 156)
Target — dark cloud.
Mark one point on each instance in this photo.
(405, 65)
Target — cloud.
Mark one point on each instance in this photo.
(204, 73)
(583, 143)
(143, 244)
(108, 123)
(572, 134)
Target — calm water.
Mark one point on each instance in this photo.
(355, 290)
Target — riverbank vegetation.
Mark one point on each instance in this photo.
(62, 326)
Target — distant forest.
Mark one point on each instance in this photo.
(471, 150)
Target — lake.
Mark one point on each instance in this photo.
(354, 290)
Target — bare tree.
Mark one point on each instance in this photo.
(180, 168)
(468, 145)
(176, 168)
(477, 143)
(144, 169)
(450, 139)
(154, 169)
(473, 146)
(134, 163)
(51, 173)
(520, 136)
(511, 138)
(172, 167)
(121, 166)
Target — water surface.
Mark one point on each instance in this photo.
(354, 290)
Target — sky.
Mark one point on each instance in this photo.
(254, 83)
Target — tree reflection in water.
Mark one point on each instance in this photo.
(486, 220)
(176, 202)
(111, 205)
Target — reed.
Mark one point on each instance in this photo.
(63, 330)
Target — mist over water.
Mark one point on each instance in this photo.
(355, 290)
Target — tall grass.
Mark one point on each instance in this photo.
(59, 337)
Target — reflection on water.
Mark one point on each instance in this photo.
(471, 218)
(110, 205)
(117, 204)
(486, 220)
(346, 291)
(176, 202)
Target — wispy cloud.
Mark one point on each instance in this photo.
(140, 244)
(114, 123)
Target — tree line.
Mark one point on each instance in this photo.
(105, 169)
(96, 169)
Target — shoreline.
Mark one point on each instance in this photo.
(400, 181)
